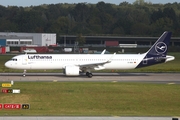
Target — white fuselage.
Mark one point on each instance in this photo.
(59, 61)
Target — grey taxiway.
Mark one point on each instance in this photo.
(169, 78)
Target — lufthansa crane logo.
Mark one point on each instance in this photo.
(161, 47)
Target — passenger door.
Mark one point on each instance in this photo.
(24, 60)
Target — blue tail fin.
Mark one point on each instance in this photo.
(160, 47)
(157, 53)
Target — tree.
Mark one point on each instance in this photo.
(140, 29)
(162, 24)
(100, 18)
(139, 2)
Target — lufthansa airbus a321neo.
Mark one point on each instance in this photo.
(74, 64)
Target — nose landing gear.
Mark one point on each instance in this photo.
(24, 73)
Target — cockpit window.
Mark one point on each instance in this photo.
(14, 59)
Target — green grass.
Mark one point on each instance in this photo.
(95, 99)
(172, 66)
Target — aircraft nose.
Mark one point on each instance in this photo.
(7, 64)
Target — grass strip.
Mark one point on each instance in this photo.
(94, 99)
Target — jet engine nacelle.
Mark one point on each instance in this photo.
(71, 70)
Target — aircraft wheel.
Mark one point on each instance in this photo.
(87, 73)
(90, 75)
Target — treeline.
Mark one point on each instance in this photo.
(137, 19)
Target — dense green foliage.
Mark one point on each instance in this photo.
(140, 18)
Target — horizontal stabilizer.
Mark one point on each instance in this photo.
(169, 58)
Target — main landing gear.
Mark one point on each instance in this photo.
(89, 74)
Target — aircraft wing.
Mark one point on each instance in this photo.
(93, 64)
(96, 66)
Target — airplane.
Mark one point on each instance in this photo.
(74, 64)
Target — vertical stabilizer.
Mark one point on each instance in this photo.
(160, 47)
(157, 53)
